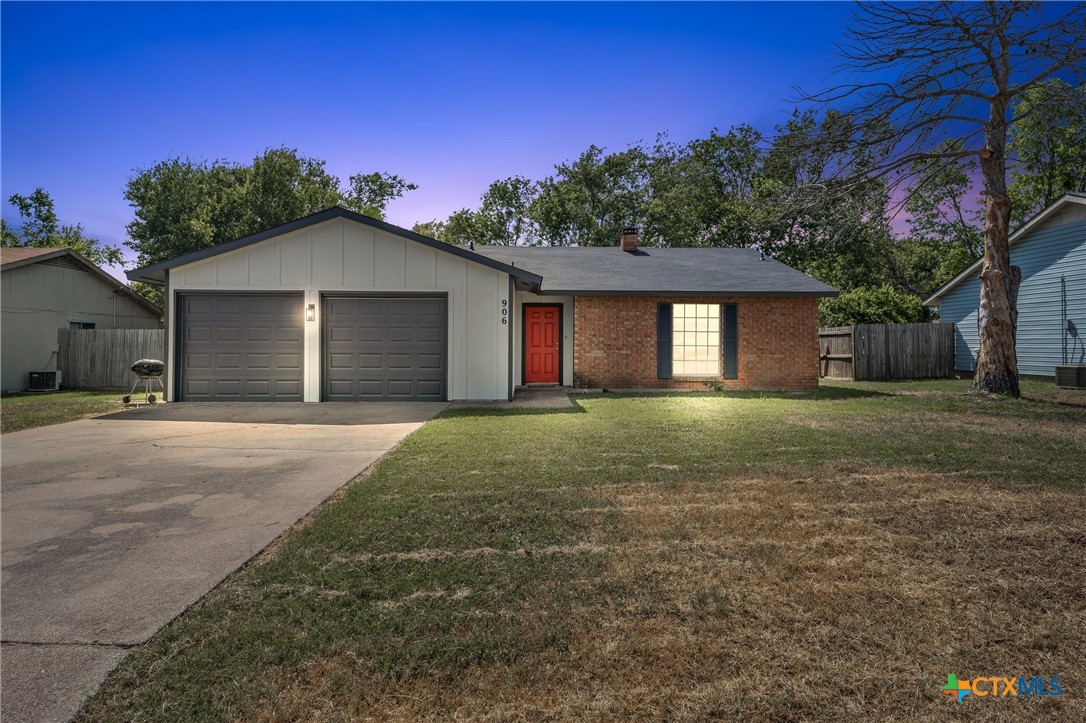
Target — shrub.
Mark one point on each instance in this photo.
(873, 305)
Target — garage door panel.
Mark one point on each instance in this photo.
(371, 334)
(340, 333)
(198, 333)
(259, 335)
(288, 388)
(366, 308)
(290, 362)
(400, 389)
(396, 348)
(229, 334)
(399, 361)
(242, 347)
(261, 388)
(400, 333)
(432, 308)
(341, 361)
(200, 305)
(371, 389)
(258, 361)
(230, 362)
(198, 361)
(197, 387)
(288, 335)
(228, 387)
(429, 361)
(431, 334)
(371, 361)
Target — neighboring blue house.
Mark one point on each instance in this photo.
(1051, 251)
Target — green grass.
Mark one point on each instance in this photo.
(720, 555)
(26, 411)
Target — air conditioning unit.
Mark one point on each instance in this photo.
(1072, 376)
(47, 381)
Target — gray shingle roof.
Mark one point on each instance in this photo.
(651, 271)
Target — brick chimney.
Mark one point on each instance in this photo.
(628, 240)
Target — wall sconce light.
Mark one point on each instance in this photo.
(311, 312)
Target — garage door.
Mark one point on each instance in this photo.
(384, 348)
(241, 348)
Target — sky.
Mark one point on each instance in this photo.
(449, 96)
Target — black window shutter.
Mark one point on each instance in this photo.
(663, 341)
(731, 341)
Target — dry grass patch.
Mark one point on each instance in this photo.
(777, 599)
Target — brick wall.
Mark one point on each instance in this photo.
(615, 343)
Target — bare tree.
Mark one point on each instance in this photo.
(921, 73)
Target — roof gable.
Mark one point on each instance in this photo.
(156, 273)
(16, 257)
(1021, 234)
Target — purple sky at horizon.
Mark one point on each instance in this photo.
(449, 96)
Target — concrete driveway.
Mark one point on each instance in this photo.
(110, 527)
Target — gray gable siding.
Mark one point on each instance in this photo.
(1053, 263)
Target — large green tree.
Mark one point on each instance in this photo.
(370, 193)
(711, 191)
(182, 205)
(41, 228)
(587, 202)
(1049, 146)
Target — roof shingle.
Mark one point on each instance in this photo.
(665, 271)
(15, 254)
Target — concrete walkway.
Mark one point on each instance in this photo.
(112, 526)
(526, 398)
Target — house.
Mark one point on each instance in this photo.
(46, 289)
(1051, 251)
(339, 306)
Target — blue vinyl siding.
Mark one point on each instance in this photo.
(1053, 263)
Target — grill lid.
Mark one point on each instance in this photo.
(149, 367)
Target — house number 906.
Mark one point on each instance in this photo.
(505, 311)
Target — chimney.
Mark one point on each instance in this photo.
(628, 241)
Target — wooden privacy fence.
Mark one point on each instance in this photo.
(101, 358)
(886, 351)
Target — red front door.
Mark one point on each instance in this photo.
(541, 361)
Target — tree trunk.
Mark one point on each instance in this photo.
(997, 362)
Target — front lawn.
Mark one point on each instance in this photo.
(24, 411)
(688, 557)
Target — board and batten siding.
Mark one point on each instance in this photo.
(1053, 263)
(344, 256)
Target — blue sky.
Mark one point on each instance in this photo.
(450, 96)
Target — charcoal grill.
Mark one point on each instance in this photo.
(149, 373)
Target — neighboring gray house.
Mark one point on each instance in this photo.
(46, 289)
(1051, 251)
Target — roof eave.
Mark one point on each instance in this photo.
(35, 259)
(692, 293)
(150, 273)
(1015, 237)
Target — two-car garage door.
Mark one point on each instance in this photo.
(250, 347)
